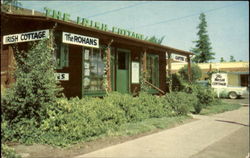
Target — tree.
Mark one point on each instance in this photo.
(196, 73)
(155, 39)
(11, 4)
(232, 59)
(222, 60)
(203, 50)
(36, 88)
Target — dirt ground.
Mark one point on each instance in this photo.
(47, 151)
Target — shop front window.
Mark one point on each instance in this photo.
(153, 69)
(93, 70)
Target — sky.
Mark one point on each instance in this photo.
(227, 21)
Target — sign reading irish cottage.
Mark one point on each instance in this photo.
(219, 80)
(81, 40)
(26, 37)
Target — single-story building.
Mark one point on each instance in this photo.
(237, 72)
(92, 58)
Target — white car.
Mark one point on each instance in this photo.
(232, 92)
(229, 91)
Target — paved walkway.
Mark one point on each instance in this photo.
(192, 140)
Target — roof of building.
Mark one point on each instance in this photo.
(223, 66)
(145, 44)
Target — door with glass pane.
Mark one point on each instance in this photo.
(122, 75)
(93, 72)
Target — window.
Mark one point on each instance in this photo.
(61, 52)
(93, 70)
(153, 69)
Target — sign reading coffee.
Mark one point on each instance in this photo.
(81, 40)
(26, 37)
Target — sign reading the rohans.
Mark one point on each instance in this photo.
(26, 37)
(81, 40)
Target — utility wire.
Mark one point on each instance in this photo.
(179, 18)
(115, 10)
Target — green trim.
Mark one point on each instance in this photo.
(128, 52)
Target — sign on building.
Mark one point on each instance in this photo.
(81, 40)
(177, 57)
(62, 76)
(219, 80)
(26, 37)
(135, 72)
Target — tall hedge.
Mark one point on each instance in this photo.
(35, 87)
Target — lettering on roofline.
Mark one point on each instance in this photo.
(93, 24)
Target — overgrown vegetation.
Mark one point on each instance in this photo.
(195, 73)
(8, 152)
(35, 89)
(75, 120)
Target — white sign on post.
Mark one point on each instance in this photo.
(26, 37)
(81, 40)
(219, 80)
(62, 76)
(135, 72)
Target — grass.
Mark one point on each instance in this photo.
(148, 125)
(143, 127)
(219, 108)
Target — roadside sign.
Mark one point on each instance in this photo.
(219, 80)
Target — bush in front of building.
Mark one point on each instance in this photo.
(8, 152)
(205, 95)
(181, 102)
(35, 88)
(196, 73)
(76, 120)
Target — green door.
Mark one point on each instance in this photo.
(122, 75)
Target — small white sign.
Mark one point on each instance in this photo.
(26, 37)
(219, 80)
(86, 72)
(86, 54)
(81, 40)
(179, 58)
(62, 76)
(135, 72)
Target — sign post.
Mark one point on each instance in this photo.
(219, 80)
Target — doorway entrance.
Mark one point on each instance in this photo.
(122, 75)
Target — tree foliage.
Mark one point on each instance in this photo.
(195, 73)
(35, 87)
(222, 60)
(11, 4)
(203, 50)
(232, 59)
(155, 39)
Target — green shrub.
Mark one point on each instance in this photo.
(195, 72)
(75, 120)
(181, 102)
(35, 87)
(8, 152)
(205, 95)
